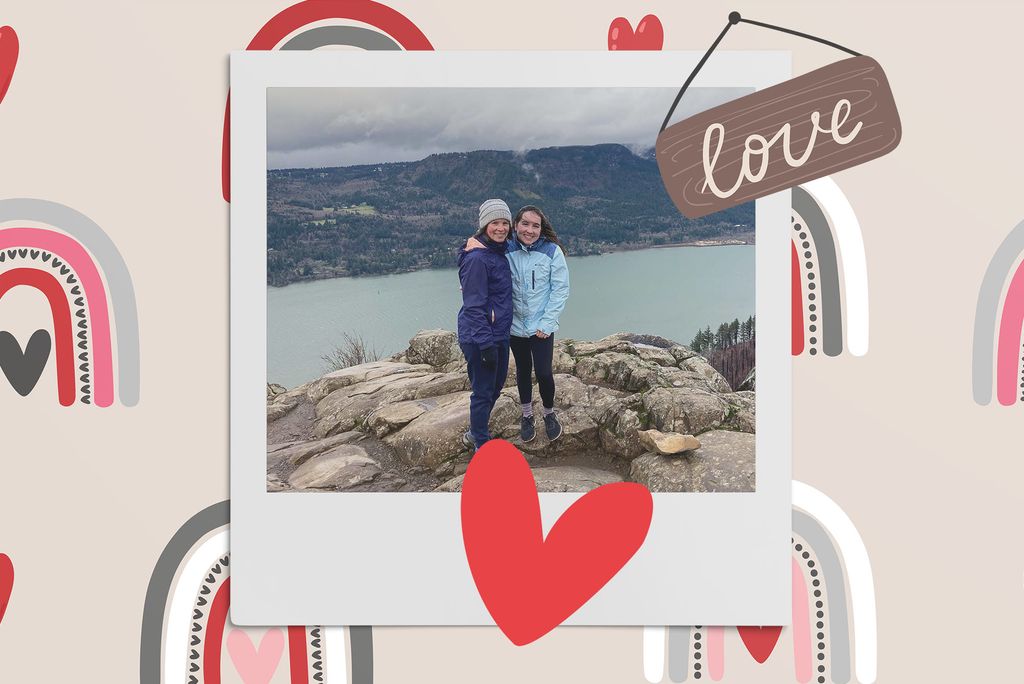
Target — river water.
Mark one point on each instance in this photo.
(672, 292)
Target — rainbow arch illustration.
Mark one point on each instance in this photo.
(313, 24)
(998, 356)
(829, 273)
(71, 260)
(833, 637)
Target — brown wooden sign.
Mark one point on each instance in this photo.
(828, 120)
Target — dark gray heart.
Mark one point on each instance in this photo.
(79, 302)
(195, 640)
(34, 253)
(24, 368)
(23, 253)
(75, 290)
(56, 262)
(72, 279)
(46, 256)
(64, 270)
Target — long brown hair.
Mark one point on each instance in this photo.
(546, 230)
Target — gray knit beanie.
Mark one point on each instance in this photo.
(492, 210)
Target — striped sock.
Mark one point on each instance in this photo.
(549, 411)
(527, 410)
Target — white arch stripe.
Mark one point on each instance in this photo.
(654, 653)
(850, 240)
(858, 569)
(335, 664)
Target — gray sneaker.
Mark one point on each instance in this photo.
(467, 441)
(552, 427)
(526, 429)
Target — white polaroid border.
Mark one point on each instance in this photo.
(398, 558)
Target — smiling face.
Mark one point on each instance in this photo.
(528, 228)
(497, 230)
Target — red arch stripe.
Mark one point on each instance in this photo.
(64, 343)
(797, 305)
(390, 21)
(215, 626)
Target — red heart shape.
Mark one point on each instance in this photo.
(529, 584)
(8, 57)
(6, 583)
(649, 34)
(760, 641)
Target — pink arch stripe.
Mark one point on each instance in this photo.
(1008, 356)
(95, 294)
(801, 626)
(715, 649)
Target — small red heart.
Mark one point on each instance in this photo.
(8, 57)
(529, 584)
(649, 34)
(6, 583)
(760, 641)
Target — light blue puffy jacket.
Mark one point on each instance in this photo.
(540, 286)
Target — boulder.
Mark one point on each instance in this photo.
(668, 443)
(275, 389)
(297, 453)
(346, 408)
(435, 436)
(578, 350)
(699, 364)
(688, 411)
(741, 412)
(724, 463)
(318, 389)
(748, 382)
(278, 410)
(677, 377)
(655, 355)
(340, 468)
(386, 419)
(446, 383)
(627, 372)
(436, 348)
(620, 425)
(555, 479)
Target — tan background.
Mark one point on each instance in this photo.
(116, 110)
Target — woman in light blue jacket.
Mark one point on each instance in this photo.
(540, 288)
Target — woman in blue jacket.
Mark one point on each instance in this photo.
(485, 318)
(540, 288)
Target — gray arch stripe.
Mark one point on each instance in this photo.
(835, 588)
(988, 310)
(361, 641)
(174, 553)
(356, 36)
(119, 280)
(678, 653)
(828, 265)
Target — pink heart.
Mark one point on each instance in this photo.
(256, 666)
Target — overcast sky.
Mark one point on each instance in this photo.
(310, 127)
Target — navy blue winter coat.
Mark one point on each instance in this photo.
(485, 318)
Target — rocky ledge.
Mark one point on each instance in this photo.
(633, 407)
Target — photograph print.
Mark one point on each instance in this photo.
(447, 266)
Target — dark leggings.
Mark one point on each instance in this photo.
(534, 354)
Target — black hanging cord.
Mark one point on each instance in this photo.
(735, 18)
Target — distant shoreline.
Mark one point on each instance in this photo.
(723, 242)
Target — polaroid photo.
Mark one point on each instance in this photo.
(429, 250)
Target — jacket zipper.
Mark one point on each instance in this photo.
(534, 274)
(492, 316)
